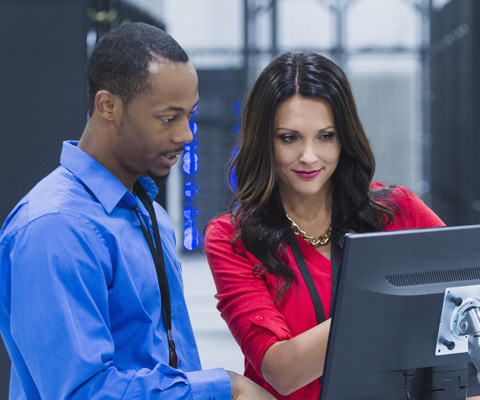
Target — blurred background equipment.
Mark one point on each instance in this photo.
(455, 112)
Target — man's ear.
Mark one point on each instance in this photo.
(108, 105)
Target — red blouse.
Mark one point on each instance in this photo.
(246, 302)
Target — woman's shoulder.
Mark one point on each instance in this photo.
(221, 220)
(411, 211)
(220, 235)
(399, 194)
(221, 224)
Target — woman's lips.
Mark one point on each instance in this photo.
(308, 174)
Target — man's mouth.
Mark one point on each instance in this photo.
(171, 158)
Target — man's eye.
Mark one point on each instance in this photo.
(167, 119)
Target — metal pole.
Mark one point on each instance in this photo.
(425, 9)
(274, 26)
(246, 42)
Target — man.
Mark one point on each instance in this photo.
(82, 314)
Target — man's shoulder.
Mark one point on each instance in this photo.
(59, 193)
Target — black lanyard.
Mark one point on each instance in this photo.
(157, 254)
(307, 276)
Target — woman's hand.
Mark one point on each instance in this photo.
(245, 389)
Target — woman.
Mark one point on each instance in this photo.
(305, 166)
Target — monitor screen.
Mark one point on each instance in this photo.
(398, 296)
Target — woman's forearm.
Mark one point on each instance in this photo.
(292, 364)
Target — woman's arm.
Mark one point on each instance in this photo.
(291, 364)
(247, 304)
(244, 300)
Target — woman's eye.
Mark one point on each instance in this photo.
(327, 136)
(167, 119)
(288, 138)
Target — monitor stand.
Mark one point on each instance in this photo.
(445, 383)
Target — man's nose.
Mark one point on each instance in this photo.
(184, 133)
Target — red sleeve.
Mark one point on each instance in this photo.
(414, 212)
(244, 301)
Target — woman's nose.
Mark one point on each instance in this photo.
(308, 155)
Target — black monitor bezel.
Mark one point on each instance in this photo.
(431, 258)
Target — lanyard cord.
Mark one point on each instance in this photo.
(307, 277)
(157, 254)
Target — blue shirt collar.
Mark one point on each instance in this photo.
(100, 181)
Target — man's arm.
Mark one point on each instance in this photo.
(59, 336)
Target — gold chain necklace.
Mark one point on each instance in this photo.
(322, 239)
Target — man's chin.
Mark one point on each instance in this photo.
(159, 180)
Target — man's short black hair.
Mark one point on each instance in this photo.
(120, 60)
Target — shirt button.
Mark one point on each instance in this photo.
(259, 318)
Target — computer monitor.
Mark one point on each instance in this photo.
(398, 295)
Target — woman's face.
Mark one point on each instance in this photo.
(307, 148)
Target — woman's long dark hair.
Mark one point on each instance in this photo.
(257, 210)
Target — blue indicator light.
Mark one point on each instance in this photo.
(192, 145)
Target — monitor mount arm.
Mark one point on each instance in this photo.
(459, 329)
(474, 339)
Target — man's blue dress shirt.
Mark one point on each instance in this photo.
(80, 302)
